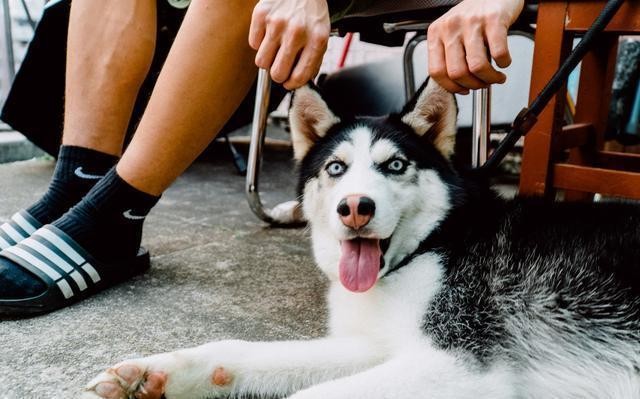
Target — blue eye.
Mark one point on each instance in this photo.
(396, 165)
(336, 168)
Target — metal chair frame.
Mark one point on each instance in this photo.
(7, 45)
(6, 41)
(481, 119)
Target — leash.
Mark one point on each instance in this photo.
(526, 118)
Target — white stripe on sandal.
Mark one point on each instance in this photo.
(61, 245)
(4, 244)
(49, 254)
(27, 257)
(13, 233)
(24, 223)
(91, 271)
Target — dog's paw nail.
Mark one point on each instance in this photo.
(109, 390)
(221, 377)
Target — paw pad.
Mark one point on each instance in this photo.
(221, 377)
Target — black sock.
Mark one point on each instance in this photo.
(77, 171)
(107, 223)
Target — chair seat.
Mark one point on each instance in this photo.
(369, 17)
(371, 14)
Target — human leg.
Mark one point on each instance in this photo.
(205, 77)
(207, 73)
(110, 48)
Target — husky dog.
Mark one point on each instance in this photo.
(439, 289)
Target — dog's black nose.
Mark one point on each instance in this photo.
(356, 210)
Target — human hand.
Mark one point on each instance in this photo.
(458, 43)
(291, 38)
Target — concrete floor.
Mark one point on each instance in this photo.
(217, 273)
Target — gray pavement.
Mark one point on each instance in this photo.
(217, 272)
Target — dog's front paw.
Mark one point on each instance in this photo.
(131, 379)
(173, 375)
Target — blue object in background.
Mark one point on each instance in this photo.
(633, 127)
(622, 124)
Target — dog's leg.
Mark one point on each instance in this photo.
(429, 375)
(235, 368)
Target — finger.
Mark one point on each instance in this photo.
(478, 60)
(498, 46)
(258, 26)
(269, 46)
(457, 69)
(307, 65)
(438, 67)
(287, 54)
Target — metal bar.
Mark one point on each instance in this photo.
(406, 26)
(27, 13)
(8, 38)
(481, 127)
(409, 75)
(258, 133)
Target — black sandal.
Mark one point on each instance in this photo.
(70, 273)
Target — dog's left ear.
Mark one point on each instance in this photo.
(310, 119)
(432, 114)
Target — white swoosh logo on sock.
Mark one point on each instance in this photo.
(127, 214)
(78, 172)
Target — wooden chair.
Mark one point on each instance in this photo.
(573, 158)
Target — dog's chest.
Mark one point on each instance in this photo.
(392, 312)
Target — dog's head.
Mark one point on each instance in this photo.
(373, 188)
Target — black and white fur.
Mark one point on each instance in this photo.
(477, 297)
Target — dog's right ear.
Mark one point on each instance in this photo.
(432, 114)
(310, 118)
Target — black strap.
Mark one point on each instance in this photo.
(529, 115)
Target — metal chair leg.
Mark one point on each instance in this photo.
(481, 126)
(6, 45)
(258, 134)
(407, 58)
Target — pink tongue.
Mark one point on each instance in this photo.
(359, 264)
